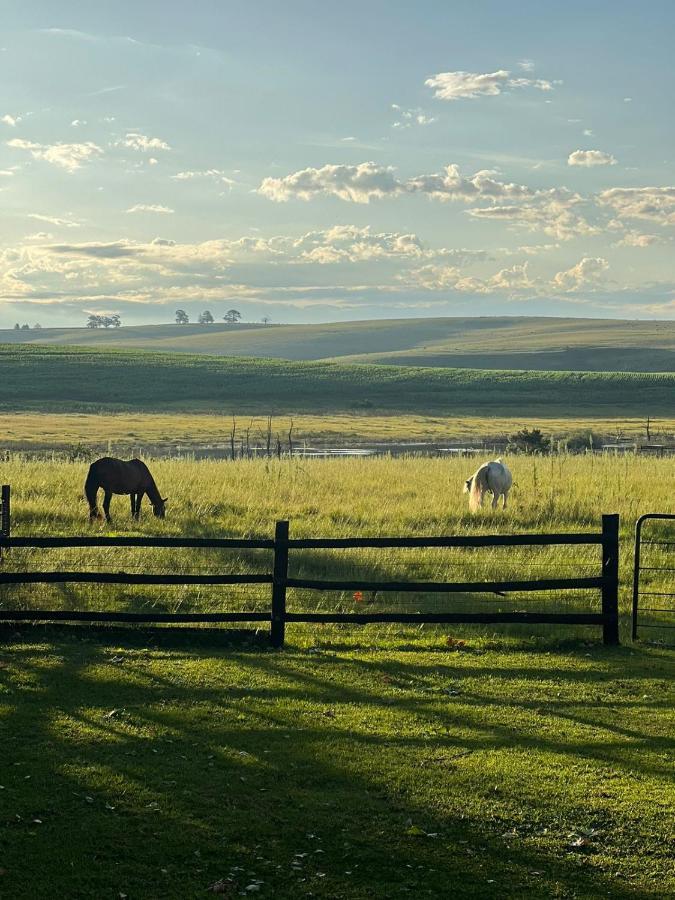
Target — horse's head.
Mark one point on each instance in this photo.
(159, 508)
(467, 485)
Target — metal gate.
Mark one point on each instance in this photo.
(656, 579)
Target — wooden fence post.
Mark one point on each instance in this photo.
(280, 577)
(5, 516)
(610, 572)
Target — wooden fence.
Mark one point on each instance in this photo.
(282, 546)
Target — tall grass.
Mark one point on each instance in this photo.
(336, 497)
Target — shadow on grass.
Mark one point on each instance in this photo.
(154, 772)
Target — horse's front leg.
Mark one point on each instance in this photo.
(106, 505)
(136, 505)
(93, 510)
(506, 494)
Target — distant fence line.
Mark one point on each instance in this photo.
(282, 546)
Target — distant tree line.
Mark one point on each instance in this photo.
(232, 317)
(26, 326)
(95, 321)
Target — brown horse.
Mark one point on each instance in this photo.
(118, 476)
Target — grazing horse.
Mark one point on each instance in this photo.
(492, 477)
(118, 476)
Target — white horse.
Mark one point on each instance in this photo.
(492, 477)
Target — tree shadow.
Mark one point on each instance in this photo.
(142, 760)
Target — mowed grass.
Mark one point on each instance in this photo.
(138, 769)
(59, 379)
(380, 762)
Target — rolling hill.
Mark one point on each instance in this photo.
(521, 343)
(59, 379)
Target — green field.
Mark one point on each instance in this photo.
(377, 763)
(334, 498)
(484, 343)
(66, 379)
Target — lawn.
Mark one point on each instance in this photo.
(337, 770)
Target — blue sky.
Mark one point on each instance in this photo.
(313, 162)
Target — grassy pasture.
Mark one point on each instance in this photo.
(123, 433)
(356, 763)
(76, 379)
(533, 342)
(339, 497)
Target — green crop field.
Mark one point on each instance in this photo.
(60, 379)
(532, 342)
(381, 762)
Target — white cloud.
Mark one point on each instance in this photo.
(527, 65)
(214, 174)
(141, 142)
(450, 185)
(554, 212)
(468, 85)
(509, 281)
(407, 118)
(319, 266)
(66, 156)
(358, 184)
(586, 273)
(150, 207)
(636, 239)
(366, 181)
(12, 121)
(54, 220)
(656, 204)
(590, 158)
(77, 123)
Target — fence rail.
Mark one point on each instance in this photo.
(282, 546)
(638, 568)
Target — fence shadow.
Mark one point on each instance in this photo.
(162, 759)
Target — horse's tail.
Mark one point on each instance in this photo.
(91, 486)
(478, 487)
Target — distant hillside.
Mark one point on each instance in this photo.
(548, 344)
(59, 379)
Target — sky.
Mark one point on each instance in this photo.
(313, 162)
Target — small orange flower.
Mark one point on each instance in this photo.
(358, 596)
(455, 644)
